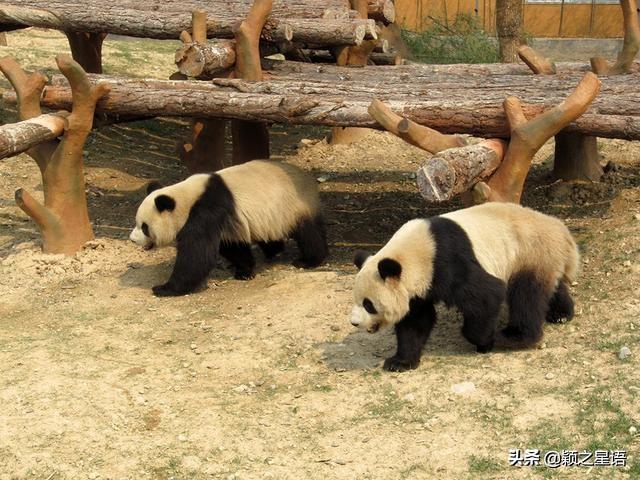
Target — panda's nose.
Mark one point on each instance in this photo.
(356, 319)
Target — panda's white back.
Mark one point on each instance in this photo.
(508, 238)
(271, 198)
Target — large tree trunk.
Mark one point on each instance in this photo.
(509, 27)
(447, 103)
(163, 20)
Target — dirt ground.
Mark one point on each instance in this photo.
(267, 378)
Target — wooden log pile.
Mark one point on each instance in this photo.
(341, 96)
(329, 22)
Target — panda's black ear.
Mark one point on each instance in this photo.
(388, 267)
(359, 257)
(153, 186)
(165, 202)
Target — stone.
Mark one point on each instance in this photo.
(463, 388)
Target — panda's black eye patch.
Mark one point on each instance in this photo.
(145, 230)
(368, 306)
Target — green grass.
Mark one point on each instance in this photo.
(549, 435)
(483, 464)
(462, 41)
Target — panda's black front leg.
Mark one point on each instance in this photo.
(197, 250)
(412, 332)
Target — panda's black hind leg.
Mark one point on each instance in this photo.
(311, 238)
(560, 305)
(479, 301)
(528, 300)
(240, 256)
(271, 249)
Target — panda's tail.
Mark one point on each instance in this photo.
(572, 261)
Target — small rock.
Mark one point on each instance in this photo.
(626, 263)
(307, 141)
(241, 388)
(624, 353)
(637, 216)
(94, 475)
(193, 346)
(335, 328)
(231, 477)
(463, 388)
(550, 376)
(409, 397)
(182, 438)
(633, 430)
(322, 179)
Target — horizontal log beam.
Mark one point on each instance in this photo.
(165, 23)
(447, 103)
(16, 138)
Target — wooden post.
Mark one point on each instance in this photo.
(352, 56)
(204, 151)
(509, 27)
(63, 218)
(250, 139)
(86, 49)
(575, 156)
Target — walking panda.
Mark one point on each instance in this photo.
(473, 259)
(261, 201)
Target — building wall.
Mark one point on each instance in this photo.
(542, 18)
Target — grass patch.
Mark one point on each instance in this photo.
(462, 41)
(549, 435)
(483, 464)
(612, 432)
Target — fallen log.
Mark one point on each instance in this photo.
(19, 137)
(456, 170)
(162, 23)
(206, 59)
(449, 104)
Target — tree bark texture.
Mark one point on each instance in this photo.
(509, 27)
(457, 170)
(19, 137)
(382, 11)
(164, 20)
(447, 103)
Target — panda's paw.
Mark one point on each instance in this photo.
(166, 290)
(396, 364)
(244, 275)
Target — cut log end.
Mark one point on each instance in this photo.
(436, 180)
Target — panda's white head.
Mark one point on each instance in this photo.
(156, 219)
(390, 279)
(379, 295)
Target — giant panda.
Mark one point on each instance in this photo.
(474, 259)
(261, 201)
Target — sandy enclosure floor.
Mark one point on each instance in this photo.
(267, 378)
